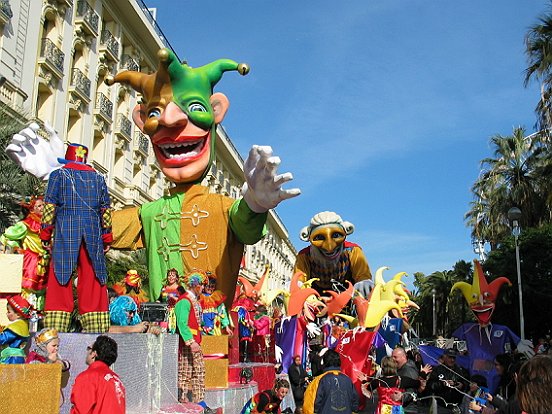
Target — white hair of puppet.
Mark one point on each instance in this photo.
(322, 219)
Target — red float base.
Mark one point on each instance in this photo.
(263, 374)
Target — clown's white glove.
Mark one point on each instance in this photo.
(525, 346)
(313, 330)
(34, 154)
(262, 189)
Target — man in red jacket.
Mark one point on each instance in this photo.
(98, 390)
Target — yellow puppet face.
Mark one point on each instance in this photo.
(328, 239)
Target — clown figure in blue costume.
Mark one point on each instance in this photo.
(76, 226)
(485, 340)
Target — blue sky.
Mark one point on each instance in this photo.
(382, 110)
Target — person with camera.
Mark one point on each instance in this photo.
(448, 383)
(298, 379)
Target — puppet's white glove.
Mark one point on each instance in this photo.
(278, 352)
(364, 287)
(34, 154)
(525, 346)
(313, 330)
(262, 189)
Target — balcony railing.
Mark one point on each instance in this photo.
(129, 63)
(88, 16)
(110, 43)
(142, 143)
(124, 125)
(104, 106)
(80, 82)
(52, 54)
(5, 8)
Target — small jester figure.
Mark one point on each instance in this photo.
(169, 295)
(14, 336)
(485, 341)
(131, 286)
(292, 332)
(245, 308)
(77, 217)
(215, 316)
(330, 258)
(24, 235)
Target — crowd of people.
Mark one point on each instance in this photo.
(401, 385)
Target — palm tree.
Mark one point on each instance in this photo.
(513, 177)
(538, 44)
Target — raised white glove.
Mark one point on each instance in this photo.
(525, 346)
(34, 154)
(262, 189)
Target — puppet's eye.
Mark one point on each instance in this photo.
(196, 107)
(474, 295)
(486, 294)
(336, 235)
(319, 237)
(154, 113)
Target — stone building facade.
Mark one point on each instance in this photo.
(54, 58)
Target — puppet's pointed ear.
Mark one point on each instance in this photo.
(220, 104)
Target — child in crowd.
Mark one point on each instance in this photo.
(45, 349)
(15, 335)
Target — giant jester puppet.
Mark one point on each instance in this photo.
(330, 258)
(485, 340)
(189, 228)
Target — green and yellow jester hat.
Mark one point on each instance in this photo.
(481, 295)
(189, 88)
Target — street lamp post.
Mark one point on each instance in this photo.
(514, 214)
(434, 316)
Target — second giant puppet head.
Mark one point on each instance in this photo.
(179, 112)
(480, 295)
(327, 233)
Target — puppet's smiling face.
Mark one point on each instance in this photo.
(181, 148)
(483, 307)
(328, 239)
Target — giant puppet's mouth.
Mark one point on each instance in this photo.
(483, 313)
(182, 150)
(332, 255)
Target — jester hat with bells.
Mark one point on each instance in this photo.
(191, 89)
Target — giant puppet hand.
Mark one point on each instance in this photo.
(34, 154)
(262, 189)
(525, 347)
